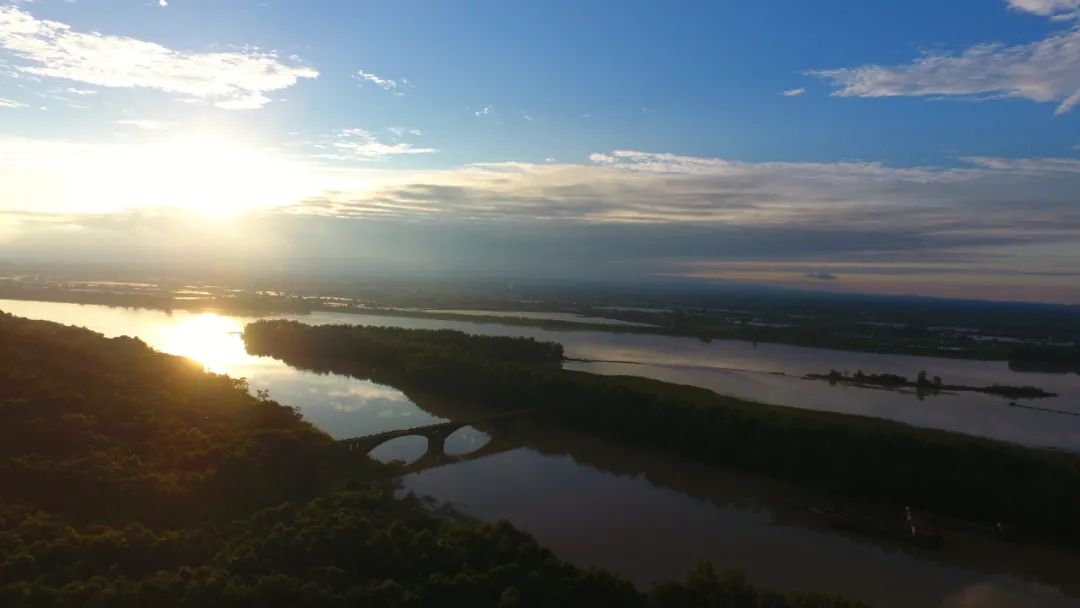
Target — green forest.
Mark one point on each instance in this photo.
(882, 462)
(132, 478)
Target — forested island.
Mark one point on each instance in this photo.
(993, 483)
(924, 384)
(134, 478)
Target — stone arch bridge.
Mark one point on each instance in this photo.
(436, 434)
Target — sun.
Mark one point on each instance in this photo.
(218, 177)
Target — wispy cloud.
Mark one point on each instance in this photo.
(401, 131)
(484, 111)
(232, 80)
(793, 92)
(1047, 70)
(397, 87)
(11, 103)
(147, 124)
(363, 145)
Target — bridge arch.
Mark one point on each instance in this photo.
(466, 440)
(404, 448)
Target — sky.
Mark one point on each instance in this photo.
(916, 147)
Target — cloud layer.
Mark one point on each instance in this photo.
(1008, 226)
(232, 80)
(984, 201)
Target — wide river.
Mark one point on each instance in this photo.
(648, 516)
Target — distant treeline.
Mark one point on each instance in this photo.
(132, 478)
(1060, 360)
(887, 462)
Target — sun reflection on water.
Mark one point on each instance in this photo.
(211, 339)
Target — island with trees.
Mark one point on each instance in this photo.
(924, 384)
(878, 461)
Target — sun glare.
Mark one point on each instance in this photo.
(218, 177)
(211, 339)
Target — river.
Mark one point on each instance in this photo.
(645, 515)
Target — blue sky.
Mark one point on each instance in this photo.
(936, 140)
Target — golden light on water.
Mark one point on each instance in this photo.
(208, 338)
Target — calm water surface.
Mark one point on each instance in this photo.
(649, 516)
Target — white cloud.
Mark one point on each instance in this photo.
(793, 92)
(75, 91)
(11, 103)
(1058, 9)
(147, 124)
(484, 111)
(1046, 71)
(387, 84)
(527, 117)
(231, 80)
